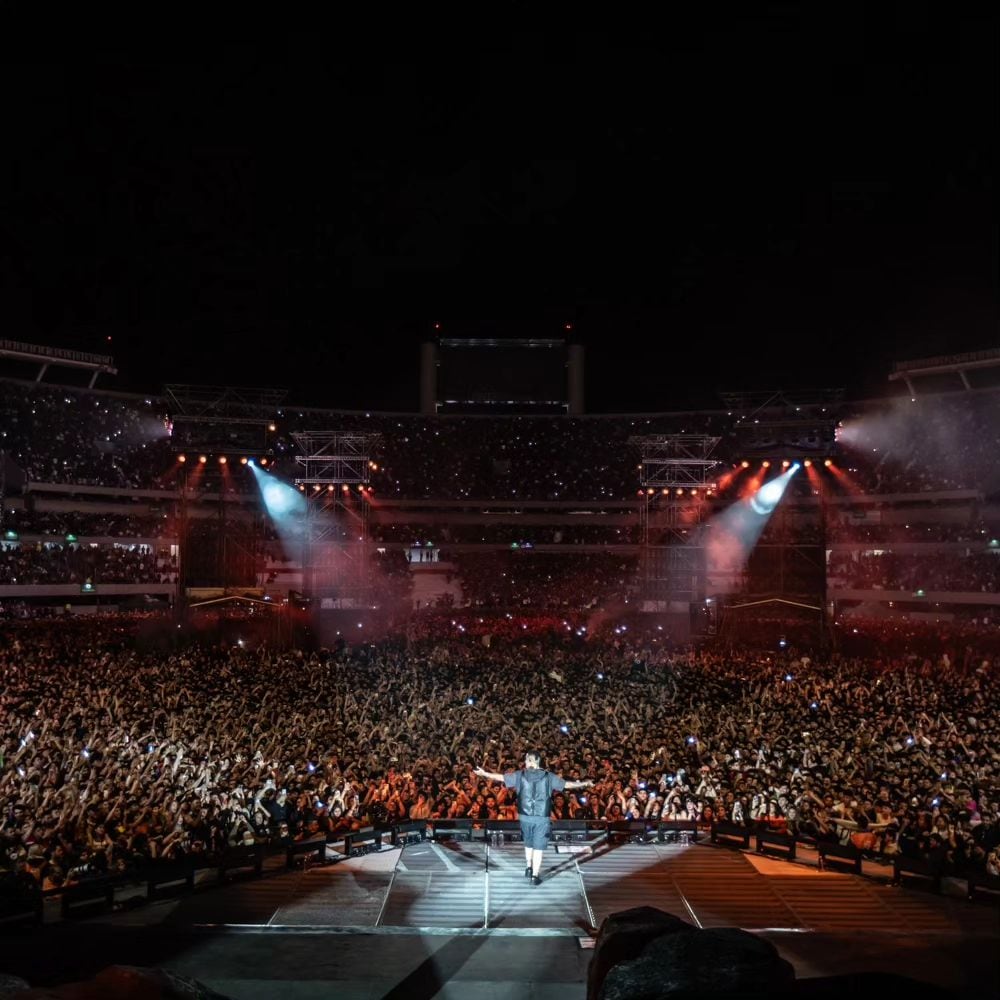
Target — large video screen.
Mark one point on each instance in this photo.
(502, 372)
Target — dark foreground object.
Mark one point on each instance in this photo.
(647, 954)
(126, 982)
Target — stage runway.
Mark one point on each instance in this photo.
(447, 887)
(429, 921)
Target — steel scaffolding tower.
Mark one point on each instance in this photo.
(676, 473)
(223, 421)
(336, 469)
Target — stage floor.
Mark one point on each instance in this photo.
(429, 921)
(446, 887)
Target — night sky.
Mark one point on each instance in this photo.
(743, 204)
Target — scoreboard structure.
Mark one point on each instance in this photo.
(493, 375)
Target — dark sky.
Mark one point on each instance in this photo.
(747, 203)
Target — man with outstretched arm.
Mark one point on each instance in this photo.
(533, 787)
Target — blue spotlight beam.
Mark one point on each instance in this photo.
(769, 495)
(731, 536)
(285, 505)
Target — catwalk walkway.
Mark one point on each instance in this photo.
(447, 887)
(430, 921)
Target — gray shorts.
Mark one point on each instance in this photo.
(535, 830)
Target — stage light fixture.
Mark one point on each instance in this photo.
(680, 492)
(745, 464)
(223, 460)
(765, 464)
(243, 460)
(203, 459)
(263, 461)
(650, 491)
(182, 459)
(785, 464)
(808, 463)
(828, 463)
(272, 427)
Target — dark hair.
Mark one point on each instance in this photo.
(535, 754)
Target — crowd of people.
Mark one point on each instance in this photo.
(62, 435)
(101, 438)
(941, 571)
(52, 562)
(505, 533)
(506, 458)
(114, 756)
(538, 581)
(846, 532)
(87, 524)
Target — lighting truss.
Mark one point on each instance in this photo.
(333, 458)
(780, 424)
(677, 461)
(754, 401)
(228, 403)
(223, 418)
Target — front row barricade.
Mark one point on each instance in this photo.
(88, 896)
(982, 885)
(672, 831)
(500, 830)
(452, 829)
(20, 902)
(412, 832)
(916, 868)
(314, 849)
(243, 860)
(846, 855)
(780, 844)
(632, 831)
(171, 874)
(362, 840)
(731, 834)
(564, 830)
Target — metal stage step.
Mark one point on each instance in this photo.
(447, 885)
(513, 901)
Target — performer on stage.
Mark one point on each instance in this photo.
(534, 788)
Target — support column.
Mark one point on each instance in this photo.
(428, 378)
(575, 380)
